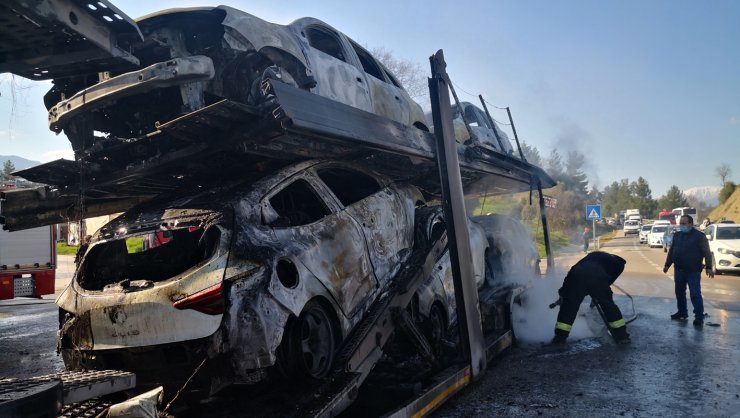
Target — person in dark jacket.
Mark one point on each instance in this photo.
(593, 275)
(687, 250)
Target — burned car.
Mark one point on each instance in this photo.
(192, 58)
(276, 272)
(473, 126)
(504, 254)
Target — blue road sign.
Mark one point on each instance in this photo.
(593, 212)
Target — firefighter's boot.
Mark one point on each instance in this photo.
(621, 336)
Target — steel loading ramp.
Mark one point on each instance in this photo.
(229, 141)
(45, 39)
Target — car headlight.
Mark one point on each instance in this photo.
(728, 252)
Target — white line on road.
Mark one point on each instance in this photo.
(652, 263)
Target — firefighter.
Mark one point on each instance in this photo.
(593, 276)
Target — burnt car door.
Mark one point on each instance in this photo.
(325, 239)
(388, 99)
(337, 78)
(384, 213)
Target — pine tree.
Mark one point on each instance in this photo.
(8, 168)
(673, 198)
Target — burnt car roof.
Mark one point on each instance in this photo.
(211, 204)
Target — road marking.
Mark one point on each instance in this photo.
(635, 247)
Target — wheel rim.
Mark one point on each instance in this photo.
(436, 328)
(316, 342)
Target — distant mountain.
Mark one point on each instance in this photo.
(19, 162)
(706, 194)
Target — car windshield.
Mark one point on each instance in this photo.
(659, 228)
(646, 227)
(728, 233)
(630, 223)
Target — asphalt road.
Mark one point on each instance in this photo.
(670, 369)
(28, 330)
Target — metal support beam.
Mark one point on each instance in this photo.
(545, 230)
(466, 292)
(492, 122)
(516, 137)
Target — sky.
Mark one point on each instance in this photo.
(641, 88)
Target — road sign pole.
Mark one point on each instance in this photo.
(593, 229)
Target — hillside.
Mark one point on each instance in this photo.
(730, 209)
(20, 163)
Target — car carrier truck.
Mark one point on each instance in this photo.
(208, 134)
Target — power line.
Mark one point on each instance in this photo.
(473, 95)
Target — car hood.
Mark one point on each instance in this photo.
(731, 244)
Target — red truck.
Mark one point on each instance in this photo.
(28, 260)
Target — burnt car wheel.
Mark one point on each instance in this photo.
(436, 327)
(310, 344)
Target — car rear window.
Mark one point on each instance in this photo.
(150, 255)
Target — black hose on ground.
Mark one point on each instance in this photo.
(634, 312)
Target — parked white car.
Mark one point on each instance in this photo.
(644, 232)
(724, 242)
(655, 238)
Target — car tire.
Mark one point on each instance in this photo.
(309, 344)
(435, 328)
(714, 266)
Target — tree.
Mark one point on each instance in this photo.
(643, 197)
(574, 178)
(727, 190)
(618, 196)
(407, 72)
(723, 171)
(8, 168)
(532, 154)
(554, 166)
(673, 198)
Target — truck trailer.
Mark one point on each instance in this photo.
(28, 261)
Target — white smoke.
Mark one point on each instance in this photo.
(534, 321)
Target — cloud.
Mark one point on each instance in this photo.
(735, 120)
(52, 155)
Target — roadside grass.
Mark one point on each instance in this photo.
(64, 249)
(558, 239)
(133, 245)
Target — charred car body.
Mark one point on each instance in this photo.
(473, 126)
(278, 272)
(191, 58)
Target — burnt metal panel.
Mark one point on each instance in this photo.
(173, 72)
(47, 39)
